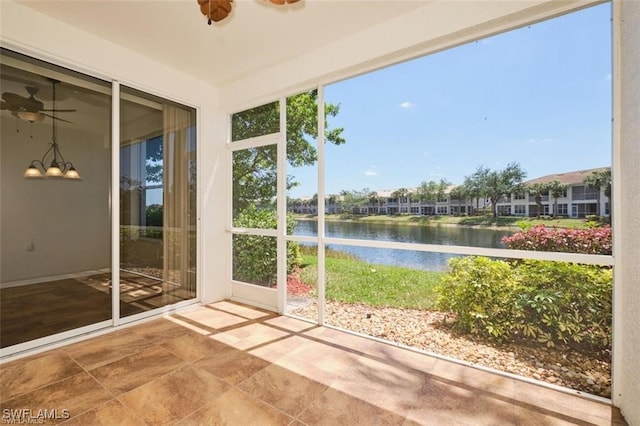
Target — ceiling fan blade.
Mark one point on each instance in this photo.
(18, 102)
(57, 118)
(60, 110)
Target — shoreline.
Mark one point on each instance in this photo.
(504, 223)
(381, 221)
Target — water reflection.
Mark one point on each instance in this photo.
(443, 235)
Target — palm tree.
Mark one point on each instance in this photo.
(557, 190)
(427, 192)
(538, 190)
(458, 193)
(374, 198)
(600, 180)
(475, 184)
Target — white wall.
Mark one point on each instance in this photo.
(53, 227)
(27, 31)
(626, 366)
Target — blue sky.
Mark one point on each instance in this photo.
(539, 95)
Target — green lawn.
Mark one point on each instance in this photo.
(353, 281)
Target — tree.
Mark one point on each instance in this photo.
(400, 194)
(354, 199)
(254, 169)
(501, 183)
(374, 198)
(427, 192)
(600, 179)
(441, 189)
(458, 193)
(475, 183)
(538, 190)
(557, 190)
(154, 215)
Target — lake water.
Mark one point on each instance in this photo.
(444, 235)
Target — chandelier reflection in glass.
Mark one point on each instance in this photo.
(52, 163)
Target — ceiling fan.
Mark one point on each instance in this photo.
(217, 10)
(29, 108)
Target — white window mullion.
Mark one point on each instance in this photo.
(321, 214)
(115, 202)
(282, 209)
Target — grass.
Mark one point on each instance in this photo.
(349, 280)
(480, 221)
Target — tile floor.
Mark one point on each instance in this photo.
(227, 363)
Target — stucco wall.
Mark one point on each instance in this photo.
(627, 132)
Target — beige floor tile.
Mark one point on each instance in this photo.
(285, 390)
(291, 324)
(160, 330)
(457, 374)
(340, 339)
(280, 348)
(27, 374)
(108, 414)
(75, 394)
(135, 370)
(231, 365)
(250, 336)
(309, 370)
(445, 403)
(337, 408)
(174, 396)
(540, 416)
(107, 348)
(402, 357)
(241, 310)
(192, 347)
(538, 402)
(391, 387)
(326, 357)
(211, 319)
(237, 408)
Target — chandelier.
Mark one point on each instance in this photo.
(217, 10)
(56, 166)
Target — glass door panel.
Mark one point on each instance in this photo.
(157, 202)
(55, 250)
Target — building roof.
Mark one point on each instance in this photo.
(567, 178)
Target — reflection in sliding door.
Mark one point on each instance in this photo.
(55, 250)
(157, 203)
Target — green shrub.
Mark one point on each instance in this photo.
(542, 302)
(255, 256)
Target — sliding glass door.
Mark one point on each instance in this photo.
(55, 250)
(65, 221)
(157, 202)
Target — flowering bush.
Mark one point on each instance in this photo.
(541, 238)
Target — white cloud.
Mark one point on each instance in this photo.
(407, 105)
(371, 171)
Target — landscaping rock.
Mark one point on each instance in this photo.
(427, 330)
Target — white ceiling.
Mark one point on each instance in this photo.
(255, 36)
